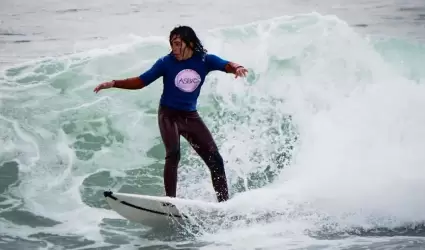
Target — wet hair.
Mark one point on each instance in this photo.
(188, 36)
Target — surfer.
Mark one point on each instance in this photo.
(184, 70)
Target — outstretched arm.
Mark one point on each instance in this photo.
(156, 71)
(217, 63)
(129, 83)
(236, 69)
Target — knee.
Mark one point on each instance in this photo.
(215, 162)
(173, 156)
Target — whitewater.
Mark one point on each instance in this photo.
(322, 142)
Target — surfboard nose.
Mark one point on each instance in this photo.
(107, 193)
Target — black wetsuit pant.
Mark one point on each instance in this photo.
(175, 123)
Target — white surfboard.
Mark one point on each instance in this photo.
(152, 211)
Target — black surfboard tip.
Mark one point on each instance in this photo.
(107, 193)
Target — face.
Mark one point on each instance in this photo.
(180, 50)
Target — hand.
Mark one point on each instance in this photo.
(105, 85)
(241, 71)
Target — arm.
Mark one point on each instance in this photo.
(231, 67)
(151, 75)
(129, 83)
(217, 63)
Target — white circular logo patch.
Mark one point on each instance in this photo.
(187, 80)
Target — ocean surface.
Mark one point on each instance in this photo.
(323, 140)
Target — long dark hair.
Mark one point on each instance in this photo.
(188, 36)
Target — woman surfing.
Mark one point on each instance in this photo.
(184, 71)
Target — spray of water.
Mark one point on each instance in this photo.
(322, 136)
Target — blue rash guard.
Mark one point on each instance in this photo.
(182, 79)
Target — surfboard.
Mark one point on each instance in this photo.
(153, 211)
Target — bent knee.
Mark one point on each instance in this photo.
(173, 155)
(215, 162)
